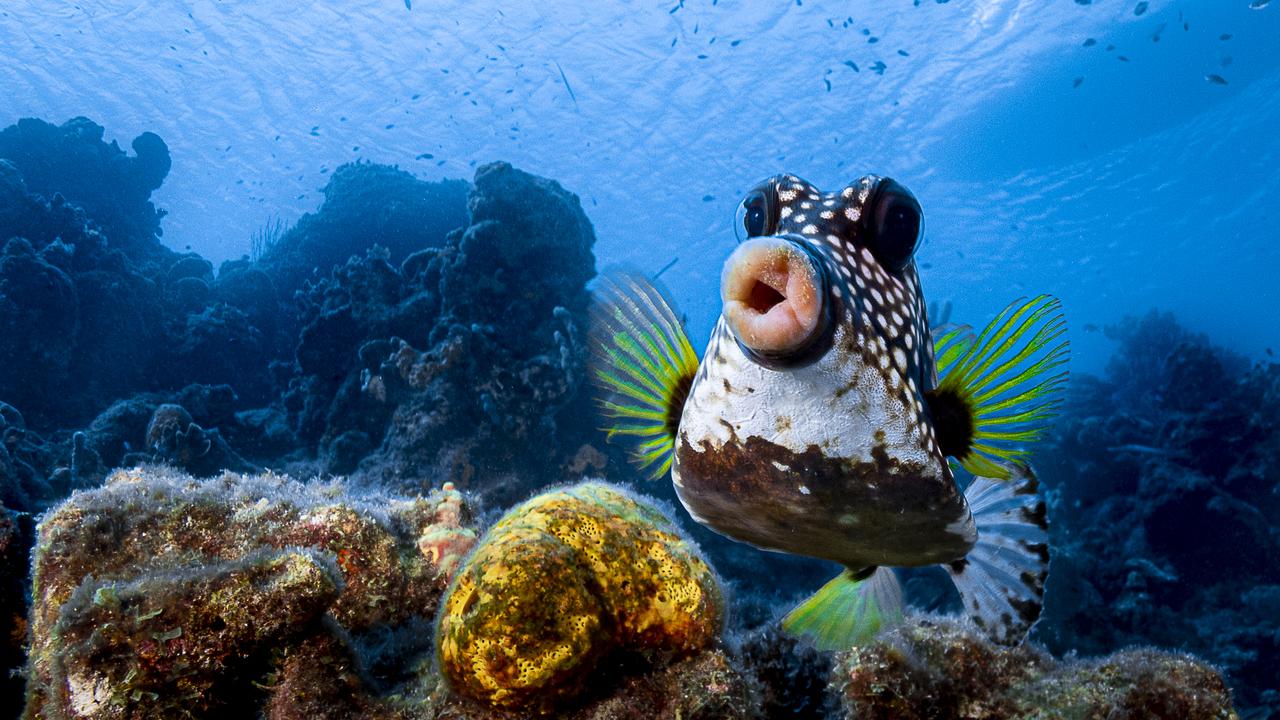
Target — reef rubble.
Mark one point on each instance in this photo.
(935, 667)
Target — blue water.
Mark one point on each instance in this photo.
(1113, 173)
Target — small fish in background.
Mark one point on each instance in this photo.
(821, 417)
(939, 315)
(1140, 9)
(1215, 79)
(408, 4)
(1259, 4)
(1077, 82)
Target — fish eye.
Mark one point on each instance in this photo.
(896, 222)
(755, 215)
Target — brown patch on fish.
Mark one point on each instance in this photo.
(881, 512)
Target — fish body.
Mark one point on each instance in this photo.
(837, 458)
(824, 416)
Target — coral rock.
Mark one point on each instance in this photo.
(158, 591)
(563, 583)
(940, 668)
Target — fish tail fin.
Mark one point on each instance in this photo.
(1001, 580)
(1000, 388)
(642, 363)
(849, 610)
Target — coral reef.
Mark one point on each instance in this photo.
(411, 334)
(114, 189)
(560, 586)
(442, 342)
(939, 668)
(1162, 479)
(16, 530)
(468, 352)
(158, 591)
(159, 594)
(364, 205)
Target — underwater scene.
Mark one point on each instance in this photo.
(632, 360)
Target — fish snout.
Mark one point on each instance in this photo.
(775, 295)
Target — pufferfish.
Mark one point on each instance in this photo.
(816, 423)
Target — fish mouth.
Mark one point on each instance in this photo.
(774, 295)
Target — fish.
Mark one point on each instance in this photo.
(1215, 79)
(567, 87)
(1259, 4)
(824, 419)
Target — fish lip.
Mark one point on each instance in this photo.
(820, 339)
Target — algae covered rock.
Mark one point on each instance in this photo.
(941, 668)
(159, 593)
(705, 686)
(565, 584)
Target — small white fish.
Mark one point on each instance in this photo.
(1259, 4)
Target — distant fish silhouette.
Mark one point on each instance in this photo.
(1140, 8)
(666, 267)
(1259, 4)
(408, 4)
(1077, 82)
(1215, 79)
(572, 97)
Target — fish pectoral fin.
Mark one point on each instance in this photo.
(1001, 580)
(642, 364)
(999, 388)
(848, 611)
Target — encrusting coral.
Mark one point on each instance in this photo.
(562, 584)
(157, 591)
(936, 667)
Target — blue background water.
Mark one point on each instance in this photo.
(1145, 185)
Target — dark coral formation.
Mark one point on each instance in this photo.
(939, 668)
(111, 186)
(467, 352)
(364, 205)
(159, 591)
(16, 532)
(1163, 478)
(406, 329)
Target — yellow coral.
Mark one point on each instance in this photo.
(563, 580)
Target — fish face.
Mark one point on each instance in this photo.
(806, 429)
